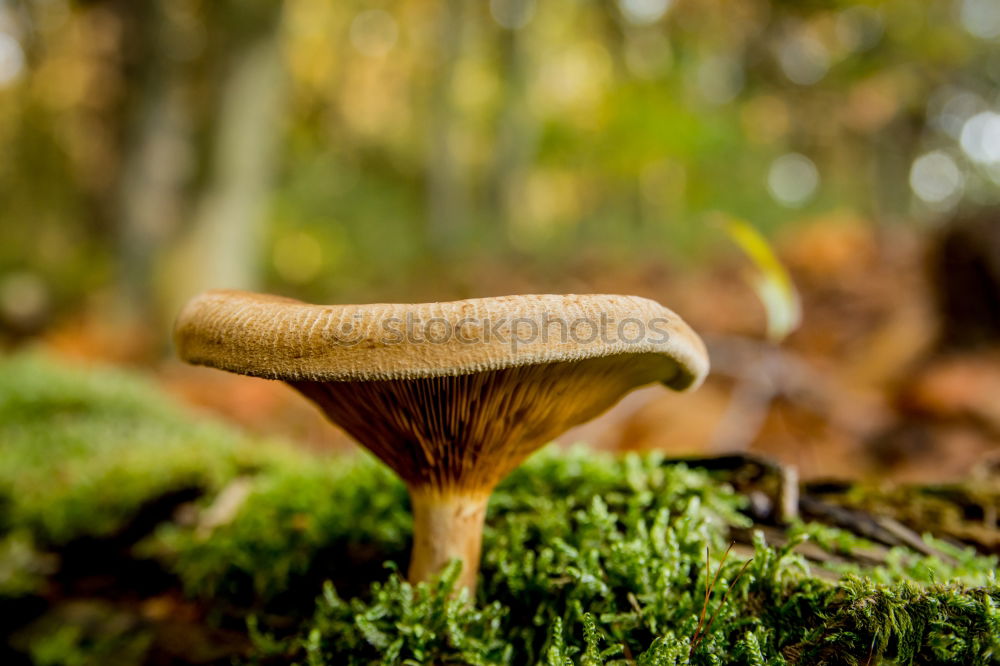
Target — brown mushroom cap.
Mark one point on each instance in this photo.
(450, 395)
(281, 338)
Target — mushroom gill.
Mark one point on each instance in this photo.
(465, 433)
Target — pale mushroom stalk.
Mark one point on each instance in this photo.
(447, 526)
(451, 412)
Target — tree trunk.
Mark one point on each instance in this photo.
(222, 246)
(517, 131)
(443, 183)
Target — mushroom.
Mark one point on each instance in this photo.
(451, 396)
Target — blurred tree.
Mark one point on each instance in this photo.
(157, 160)
(517, 129)
(222, 244)
(444, 180)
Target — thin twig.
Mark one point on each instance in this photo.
(703, 629)
(698, 635)
(628, 654)
(708, 590)
(726, 594)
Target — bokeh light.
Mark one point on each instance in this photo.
(720, 78)
(792, 179)
(935, 178)
(981, 18)
(11, 59)
(950, 108)
(640, 12)
(803, 58)
(981, 137)
(859, 28)
(512, 14)
(374, 32)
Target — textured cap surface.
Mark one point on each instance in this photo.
(281, 338)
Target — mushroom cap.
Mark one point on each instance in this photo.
(282, 338)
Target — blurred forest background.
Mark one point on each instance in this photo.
(404, 151)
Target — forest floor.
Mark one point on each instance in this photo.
(137, 532)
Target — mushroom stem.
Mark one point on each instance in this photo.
(447, 525)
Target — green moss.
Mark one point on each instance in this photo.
(587, 559)
(84, 449)
(86, 633)
(774, 613)
(305, 520)
(23, 568)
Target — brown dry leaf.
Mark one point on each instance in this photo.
(958, 387)
(678, 425)
(794, 435)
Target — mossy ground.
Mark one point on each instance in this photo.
(274, 556)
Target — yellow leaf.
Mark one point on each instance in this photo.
(770, 280)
